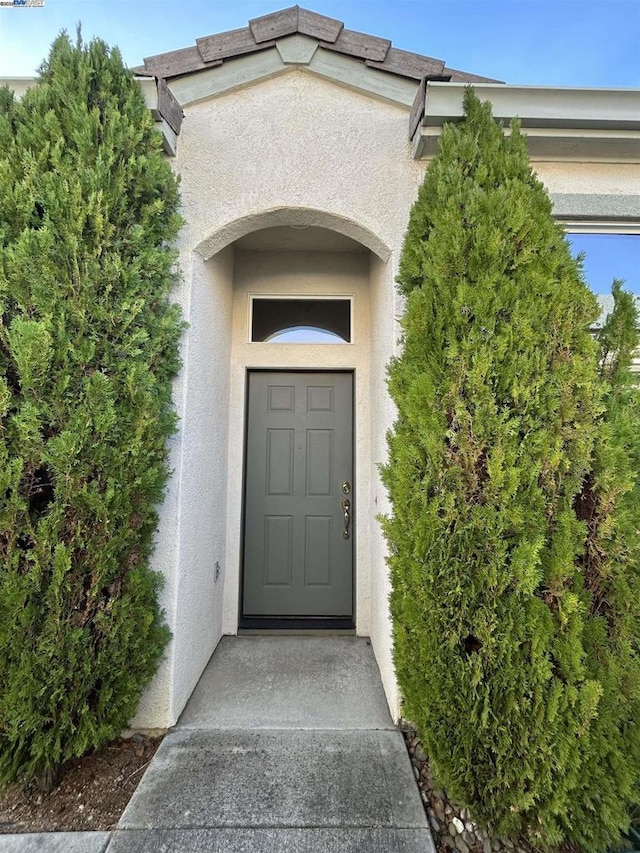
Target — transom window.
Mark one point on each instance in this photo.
(301, 321)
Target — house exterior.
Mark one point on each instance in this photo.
(301, 146)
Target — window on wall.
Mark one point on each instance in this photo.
(301, 321)
(608, 256)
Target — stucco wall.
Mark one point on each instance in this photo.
(203, 499)
(599, 178)
(296, 141)
(192, 530)
(385, 308)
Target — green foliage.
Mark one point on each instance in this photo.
(609, 786)
(501, 412)
(88, 349)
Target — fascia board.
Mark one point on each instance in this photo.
(600, 213)
(20, 85)
(353, 74)
(539, 106)
(232, 75)
(555, 145)
(599, 125)
(595, 226)
(149, 89)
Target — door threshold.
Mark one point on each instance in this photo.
(297, 632)
(286, 626)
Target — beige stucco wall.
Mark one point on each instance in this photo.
(590, 178)
(296, 141)
(192, 530)
(291, 150)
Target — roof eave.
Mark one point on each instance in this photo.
(561, 124)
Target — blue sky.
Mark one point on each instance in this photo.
(536, 42)
(544, 42)
(609, 256)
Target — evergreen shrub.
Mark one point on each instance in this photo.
(608, 789)
(88, 348)
(518, 680)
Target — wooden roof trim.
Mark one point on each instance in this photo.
(318, 26)
(263, 32)
(359, 44)
(407, 64)
(295, 20)
(417, 108)
(228, 44)
(172, 64)
(447, 76)
(420, 100)
(168, 106)
(274, 25)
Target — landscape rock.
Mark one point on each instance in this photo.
(454, 829)
(419, 753)
(459, 825)
(461, 845)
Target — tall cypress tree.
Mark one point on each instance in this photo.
(499, 406)
(88, 349)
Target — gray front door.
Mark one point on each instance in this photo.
(298, 535)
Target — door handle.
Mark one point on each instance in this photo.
(346, 510)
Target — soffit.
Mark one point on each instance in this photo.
(298, 238)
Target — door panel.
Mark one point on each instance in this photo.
(278, 547)
(319, 478)
(297, 561)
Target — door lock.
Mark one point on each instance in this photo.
(346, 487)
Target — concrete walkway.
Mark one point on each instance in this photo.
(286, 745)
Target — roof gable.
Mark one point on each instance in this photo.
(264, 32)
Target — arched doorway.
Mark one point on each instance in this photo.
(283, 253)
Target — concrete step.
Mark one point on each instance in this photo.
(277, 779)
(289, 682)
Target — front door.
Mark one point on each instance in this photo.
(298, 530)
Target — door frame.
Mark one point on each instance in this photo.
(308, 623)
